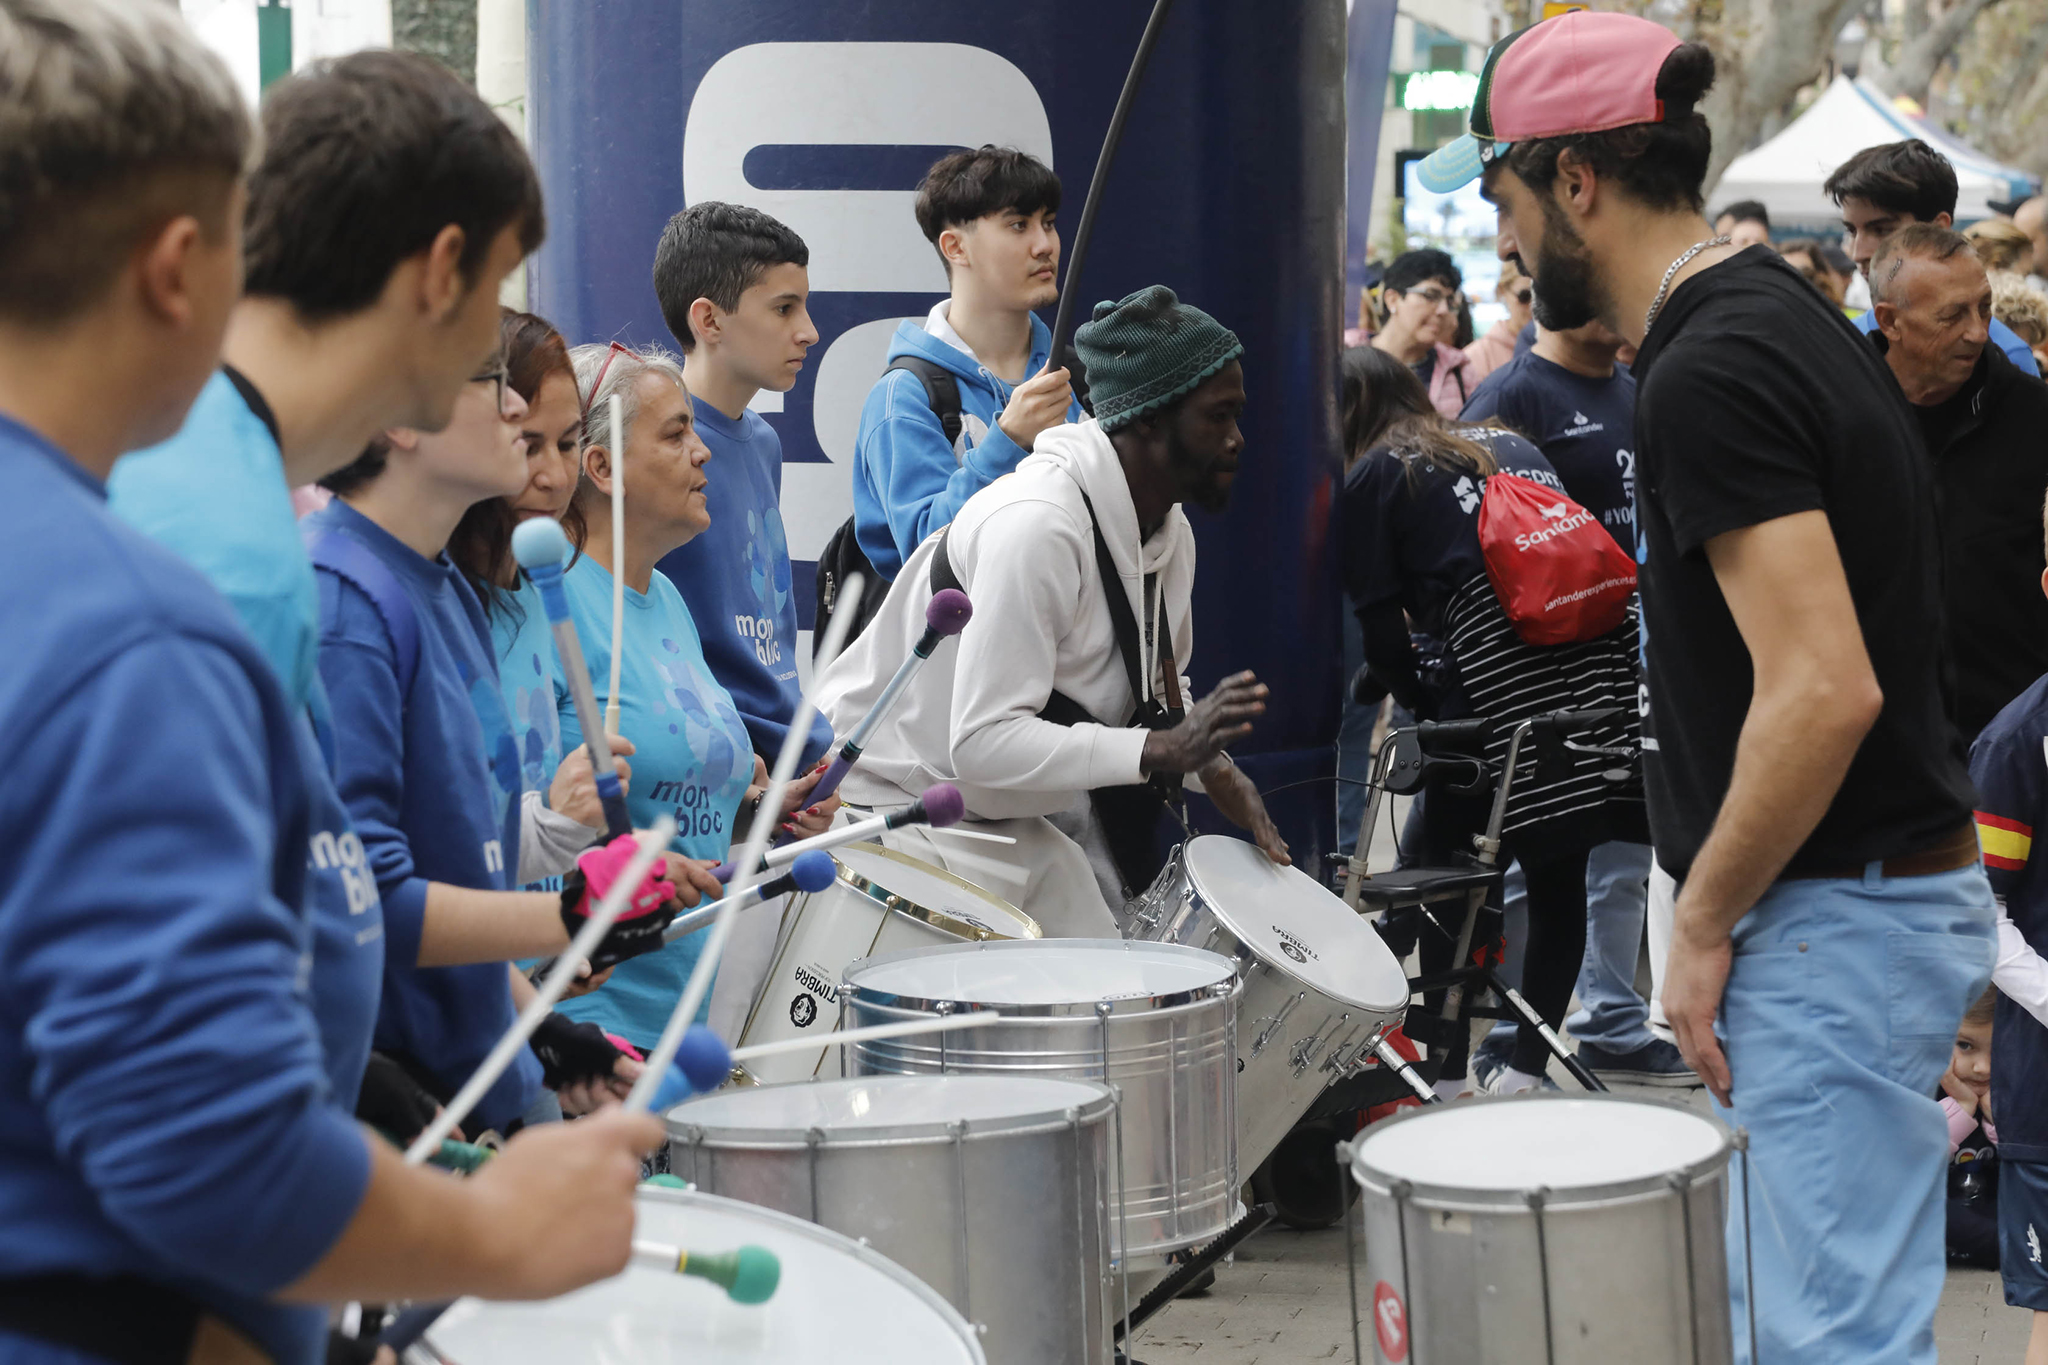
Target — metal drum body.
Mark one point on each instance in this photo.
(1155, 1021)
(1320, 985)
(993, 1190)
(838, 1301)
(1544, 1230)
(882, 902)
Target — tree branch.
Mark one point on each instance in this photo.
(1914, 71)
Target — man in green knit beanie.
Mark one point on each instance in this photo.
(1064, 714)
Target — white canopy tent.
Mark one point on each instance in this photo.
(1786, 173)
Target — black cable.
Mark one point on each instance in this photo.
(1062, 326)
(1311, 781)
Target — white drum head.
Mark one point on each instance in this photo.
(875, 1103)
(837, 1300)
(1056, 971)
(1562, 1144)
(934, 889)
(1294, 924)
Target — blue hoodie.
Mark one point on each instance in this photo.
(427, 776)
(164, 1105)
(908, 480)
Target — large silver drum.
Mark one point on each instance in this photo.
(1544, 1230)
(1321, 988)
(1156, 1021)
(993, 1190)
(837, 1301)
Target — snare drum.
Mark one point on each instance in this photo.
(993, 1190)
(883, 901)
(1544, 1230)
(1156, 1021)
(837, 1301)
(1320, 985)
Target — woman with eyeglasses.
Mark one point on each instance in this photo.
(1421, 296)
(430, 772)
(694, 759)
(1497, 347)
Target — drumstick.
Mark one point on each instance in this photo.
(941, 805)
(618, 463)
(938, 1023)
(812, 871)
(540, 547)
(699, 984)
(947, 614)
(650, 844)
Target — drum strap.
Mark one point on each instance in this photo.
(1130, 814)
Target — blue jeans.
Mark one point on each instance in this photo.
(1612, 1016)
(1838, 1019)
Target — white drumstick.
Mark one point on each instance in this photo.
(650, 844)
(938, 1023)
(940, 805)
(749, 865)
(618, 463)
(959, 833)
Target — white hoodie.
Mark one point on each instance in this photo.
(1024, 553)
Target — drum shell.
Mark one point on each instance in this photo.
(1010, 1225)
(1293, 1039)
(1634, 1273)
(1171, 1064)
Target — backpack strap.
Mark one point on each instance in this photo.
(356, 564)
(941, 391)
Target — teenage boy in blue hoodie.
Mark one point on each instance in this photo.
(990, 214)
(176, 1182)
(733, 284)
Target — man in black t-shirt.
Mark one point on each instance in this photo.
(1805, 785)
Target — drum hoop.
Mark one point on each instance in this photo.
(1096, 1107)
(1460, 1198)
(1228, 986)
(937, 919)
(1244, 950)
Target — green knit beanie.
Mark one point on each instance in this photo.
(1144, 351)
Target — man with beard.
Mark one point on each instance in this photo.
(1068, 682)
(1804, 782)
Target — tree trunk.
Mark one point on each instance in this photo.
(442, 29)
(1767, 51)
(1923, 55)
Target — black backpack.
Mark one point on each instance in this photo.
(842, 557)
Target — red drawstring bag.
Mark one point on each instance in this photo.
(1558, 574)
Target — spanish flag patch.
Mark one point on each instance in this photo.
(2006, 842)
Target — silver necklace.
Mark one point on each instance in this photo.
(1657, 303)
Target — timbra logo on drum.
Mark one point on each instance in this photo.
(1294, 947)
(803, 1011)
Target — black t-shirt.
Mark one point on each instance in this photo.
(1584, 427)
(1757, 400)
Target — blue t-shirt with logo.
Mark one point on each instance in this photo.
(530, 679)
(431, 778)
(1585, 427)
(691, 760)
(736, 580)
(2009, 764)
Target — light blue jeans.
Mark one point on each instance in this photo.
(1838, 1020)
(1611, 1015)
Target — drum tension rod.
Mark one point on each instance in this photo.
(1174, 1285)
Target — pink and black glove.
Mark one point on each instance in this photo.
(639, 928)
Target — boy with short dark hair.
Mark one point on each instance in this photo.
(733, 285)
(990, 214)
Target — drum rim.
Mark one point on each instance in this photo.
(1229, 987)
(898, 903)
(837, 1241)
(1098, 1106)
(1373, 1180)
(1223, 920)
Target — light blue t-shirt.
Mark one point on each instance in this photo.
(530, 677)
(691, 760)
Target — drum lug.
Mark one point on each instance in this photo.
(1274, 1020)
(1305, 1051)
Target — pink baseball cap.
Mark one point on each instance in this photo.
(1581, 72)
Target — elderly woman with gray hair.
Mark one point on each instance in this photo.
(692, 758)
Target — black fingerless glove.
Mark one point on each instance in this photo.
(572, 1051)
(393, 1102)
(629, 936)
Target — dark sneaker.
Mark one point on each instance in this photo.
(1659, 1063)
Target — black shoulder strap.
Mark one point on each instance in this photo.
(941, 390)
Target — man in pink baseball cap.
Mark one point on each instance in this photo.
(1805, 787)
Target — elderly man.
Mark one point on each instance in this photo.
(1986, 426)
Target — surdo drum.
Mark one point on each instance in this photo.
(1155, 1021)
(837, 1301)
(883, 901)
(1543, 1230)
(993, 1190)
(1321, 988)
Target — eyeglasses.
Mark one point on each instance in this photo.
(1438, 298)
(597, 385)
(500, 376)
